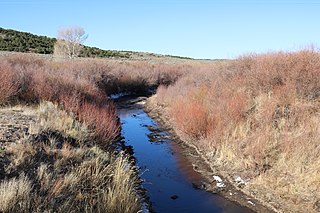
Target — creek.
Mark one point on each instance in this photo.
(168, 176)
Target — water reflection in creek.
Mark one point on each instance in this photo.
(167, 174)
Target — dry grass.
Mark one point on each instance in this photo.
(257, 116)
(51, 117)
(58, 168)
(66, 160)
(15, 194)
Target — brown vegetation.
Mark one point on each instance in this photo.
(66, 162)
(257, 117)
(8, 86)
(80, 86)
(58, 168)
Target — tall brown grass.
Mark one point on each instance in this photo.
(257, 116)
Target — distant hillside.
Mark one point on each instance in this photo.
(11, 40)
(16, 41)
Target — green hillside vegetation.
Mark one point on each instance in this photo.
(16, 41)
(11, 40)
(96, 52)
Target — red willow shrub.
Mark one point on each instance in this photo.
(121, 77)
(191, 118)
(263, 73)
(8, 82)
(102, 119)
(81, 86)
(247, 100)
(99, 116)
(30, 80)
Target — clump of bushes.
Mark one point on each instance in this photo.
(257, 116)
(80, 86)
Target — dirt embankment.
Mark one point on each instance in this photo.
(215, 180)
(14, 125)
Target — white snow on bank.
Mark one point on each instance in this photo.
(249, 201)
(219, 181)
(141, 102)
(240, 181)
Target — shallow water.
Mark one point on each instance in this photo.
(167, 174)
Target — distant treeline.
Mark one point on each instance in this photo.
(12, 40)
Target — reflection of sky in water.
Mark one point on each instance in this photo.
(167, 174)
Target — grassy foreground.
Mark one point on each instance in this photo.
(56, 166)
(63, 157)
(65, 161)
(257, 118)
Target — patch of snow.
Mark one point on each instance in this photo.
(217, 178)
(141, 102)
(219, 181)
(221, 185)
(250, 202)
(240, 181)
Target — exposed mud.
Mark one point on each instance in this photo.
(14, 124)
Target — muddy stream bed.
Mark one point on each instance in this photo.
(170, 182)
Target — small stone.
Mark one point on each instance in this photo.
(173, 197)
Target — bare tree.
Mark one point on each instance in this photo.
(69, 42)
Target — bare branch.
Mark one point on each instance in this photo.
(69, 42)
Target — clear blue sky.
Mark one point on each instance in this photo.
(194, 28)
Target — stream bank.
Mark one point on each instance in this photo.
(212, 181)
(170, 179)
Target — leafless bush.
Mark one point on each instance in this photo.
(258, 113)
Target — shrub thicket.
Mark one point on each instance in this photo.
(257, 116)
(81, 86)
